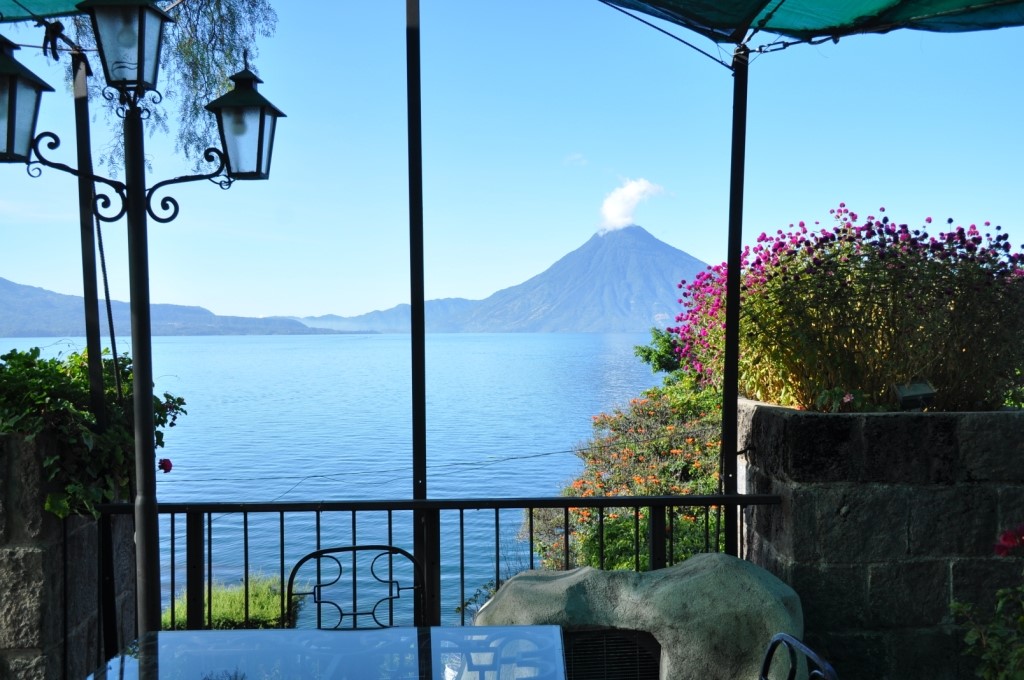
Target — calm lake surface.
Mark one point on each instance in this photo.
(329, 417)
(309, 418)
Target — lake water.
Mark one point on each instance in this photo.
(310, 418)
(329, 417)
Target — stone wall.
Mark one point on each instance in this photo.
(886, 519)
(50, 624)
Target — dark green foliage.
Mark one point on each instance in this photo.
(49, 398)
(662, 354)
(998, 643)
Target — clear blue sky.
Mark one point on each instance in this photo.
(535, 113)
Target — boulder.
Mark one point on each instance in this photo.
(712, 614)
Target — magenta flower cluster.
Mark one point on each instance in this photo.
(815, 301)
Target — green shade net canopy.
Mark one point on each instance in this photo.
(25, 10)
(730, 22)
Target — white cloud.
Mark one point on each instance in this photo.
(620, 204)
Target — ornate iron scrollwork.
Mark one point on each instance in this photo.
(101, 202)
(384, 586)
(169, 204)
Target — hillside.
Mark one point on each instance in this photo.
(619, 281)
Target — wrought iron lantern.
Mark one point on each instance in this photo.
(129, 35)
(20, 92)
(247, 121)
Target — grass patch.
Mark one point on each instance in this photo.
(228, 607)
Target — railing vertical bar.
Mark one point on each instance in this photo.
(718, 523)
(565, 533)
(532, 549)
(319, 610)
(281, 586)
(671, 531)
(742, 514)
(497, 548)
(656, 538)
(707, 530)
(194, 542)
(390, 576)
(245, 564)
(355, 575)
(209, 569)
(600, 538)
(462, 563)
(636, 538)
(173, 567)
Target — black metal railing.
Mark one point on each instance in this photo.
(472, 545)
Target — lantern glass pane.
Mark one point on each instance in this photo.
(268, 144)
(5, 103)
(118, 35)
(242, 137)
(152, 30)
(26, 106)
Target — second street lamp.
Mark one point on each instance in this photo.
(20, 92)
(247, 122)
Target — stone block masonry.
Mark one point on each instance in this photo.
(886, 519)
(50, 624)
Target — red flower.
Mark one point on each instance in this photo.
(1010, 540)
(164, 464)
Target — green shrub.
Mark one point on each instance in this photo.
(49, 398)
(998, 641)
(835, 317)
(665, 443)
(228, 608)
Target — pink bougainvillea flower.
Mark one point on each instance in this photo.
(164, 464)
(847, 398)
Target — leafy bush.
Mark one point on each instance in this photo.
(665, 443)
(50, 398)
(998, 643)
(229, 606)
(840, 315)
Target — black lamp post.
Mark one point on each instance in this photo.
(129, 35)
(20, 92)
(129, 38)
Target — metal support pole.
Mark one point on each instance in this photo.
(147, 539)
(425, 534)
(79, 74)
(730, 385)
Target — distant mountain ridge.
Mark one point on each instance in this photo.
(28, 312)
(618, 281)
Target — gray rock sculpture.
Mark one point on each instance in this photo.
(712, 614)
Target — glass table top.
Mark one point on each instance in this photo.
(440, 653)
